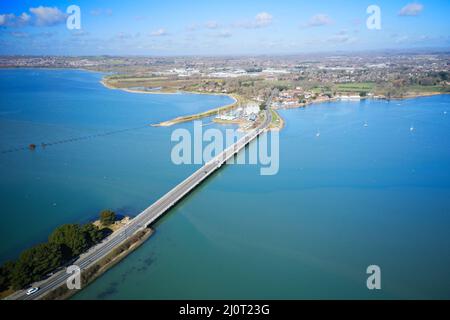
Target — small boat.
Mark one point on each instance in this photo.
(318, 134)
(412, 129)
(366, 124)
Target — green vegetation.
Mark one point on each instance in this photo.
(356, 88)
(34, 263)
(430, 88)
(391, 89)
(103, 264)
(254, 69)
(301, 98)
(107, 217)
(6, 271)
(277, 121)
(64, 244)
(398, 86)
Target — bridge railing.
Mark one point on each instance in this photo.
(219, 160)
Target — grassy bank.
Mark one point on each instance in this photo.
(277, 121)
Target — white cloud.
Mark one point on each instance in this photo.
(425, 38)
(224, 34)
(48, 16)
(261, 20)
(412, 9)
(79, 33)
(212, 25)
(24, 18)
(192, 27)
(342, 38)
(399, 38)
(159, 33)
(319, 20)
(7, 19)
(11, 20)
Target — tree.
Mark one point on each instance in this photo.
(72, 239)
(35, 263)
(443, 75)
(92, 234)
(65, 242)
(107, 217)
(5, 275)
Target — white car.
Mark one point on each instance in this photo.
(32, 290)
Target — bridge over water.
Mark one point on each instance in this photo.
(152, 213)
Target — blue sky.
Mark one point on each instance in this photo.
(220, 27)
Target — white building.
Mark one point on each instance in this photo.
(251, 108)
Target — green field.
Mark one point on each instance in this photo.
(419, 88)
(355, 87)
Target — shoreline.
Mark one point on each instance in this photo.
(279, 127)
(200, 115)
(415, 96)
(134, 246)
(281, 124)
(98, 269)
(236, 99)
(114, 227)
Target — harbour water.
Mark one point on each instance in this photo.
(367, 191)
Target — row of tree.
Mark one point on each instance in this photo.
(64, 244)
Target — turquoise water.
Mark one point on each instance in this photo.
(353, 197)
(73, 182)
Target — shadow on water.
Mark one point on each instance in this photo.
(144, 264)
(111, 290)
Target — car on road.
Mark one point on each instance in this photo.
(32, 290)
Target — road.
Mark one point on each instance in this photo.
(149, 215)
